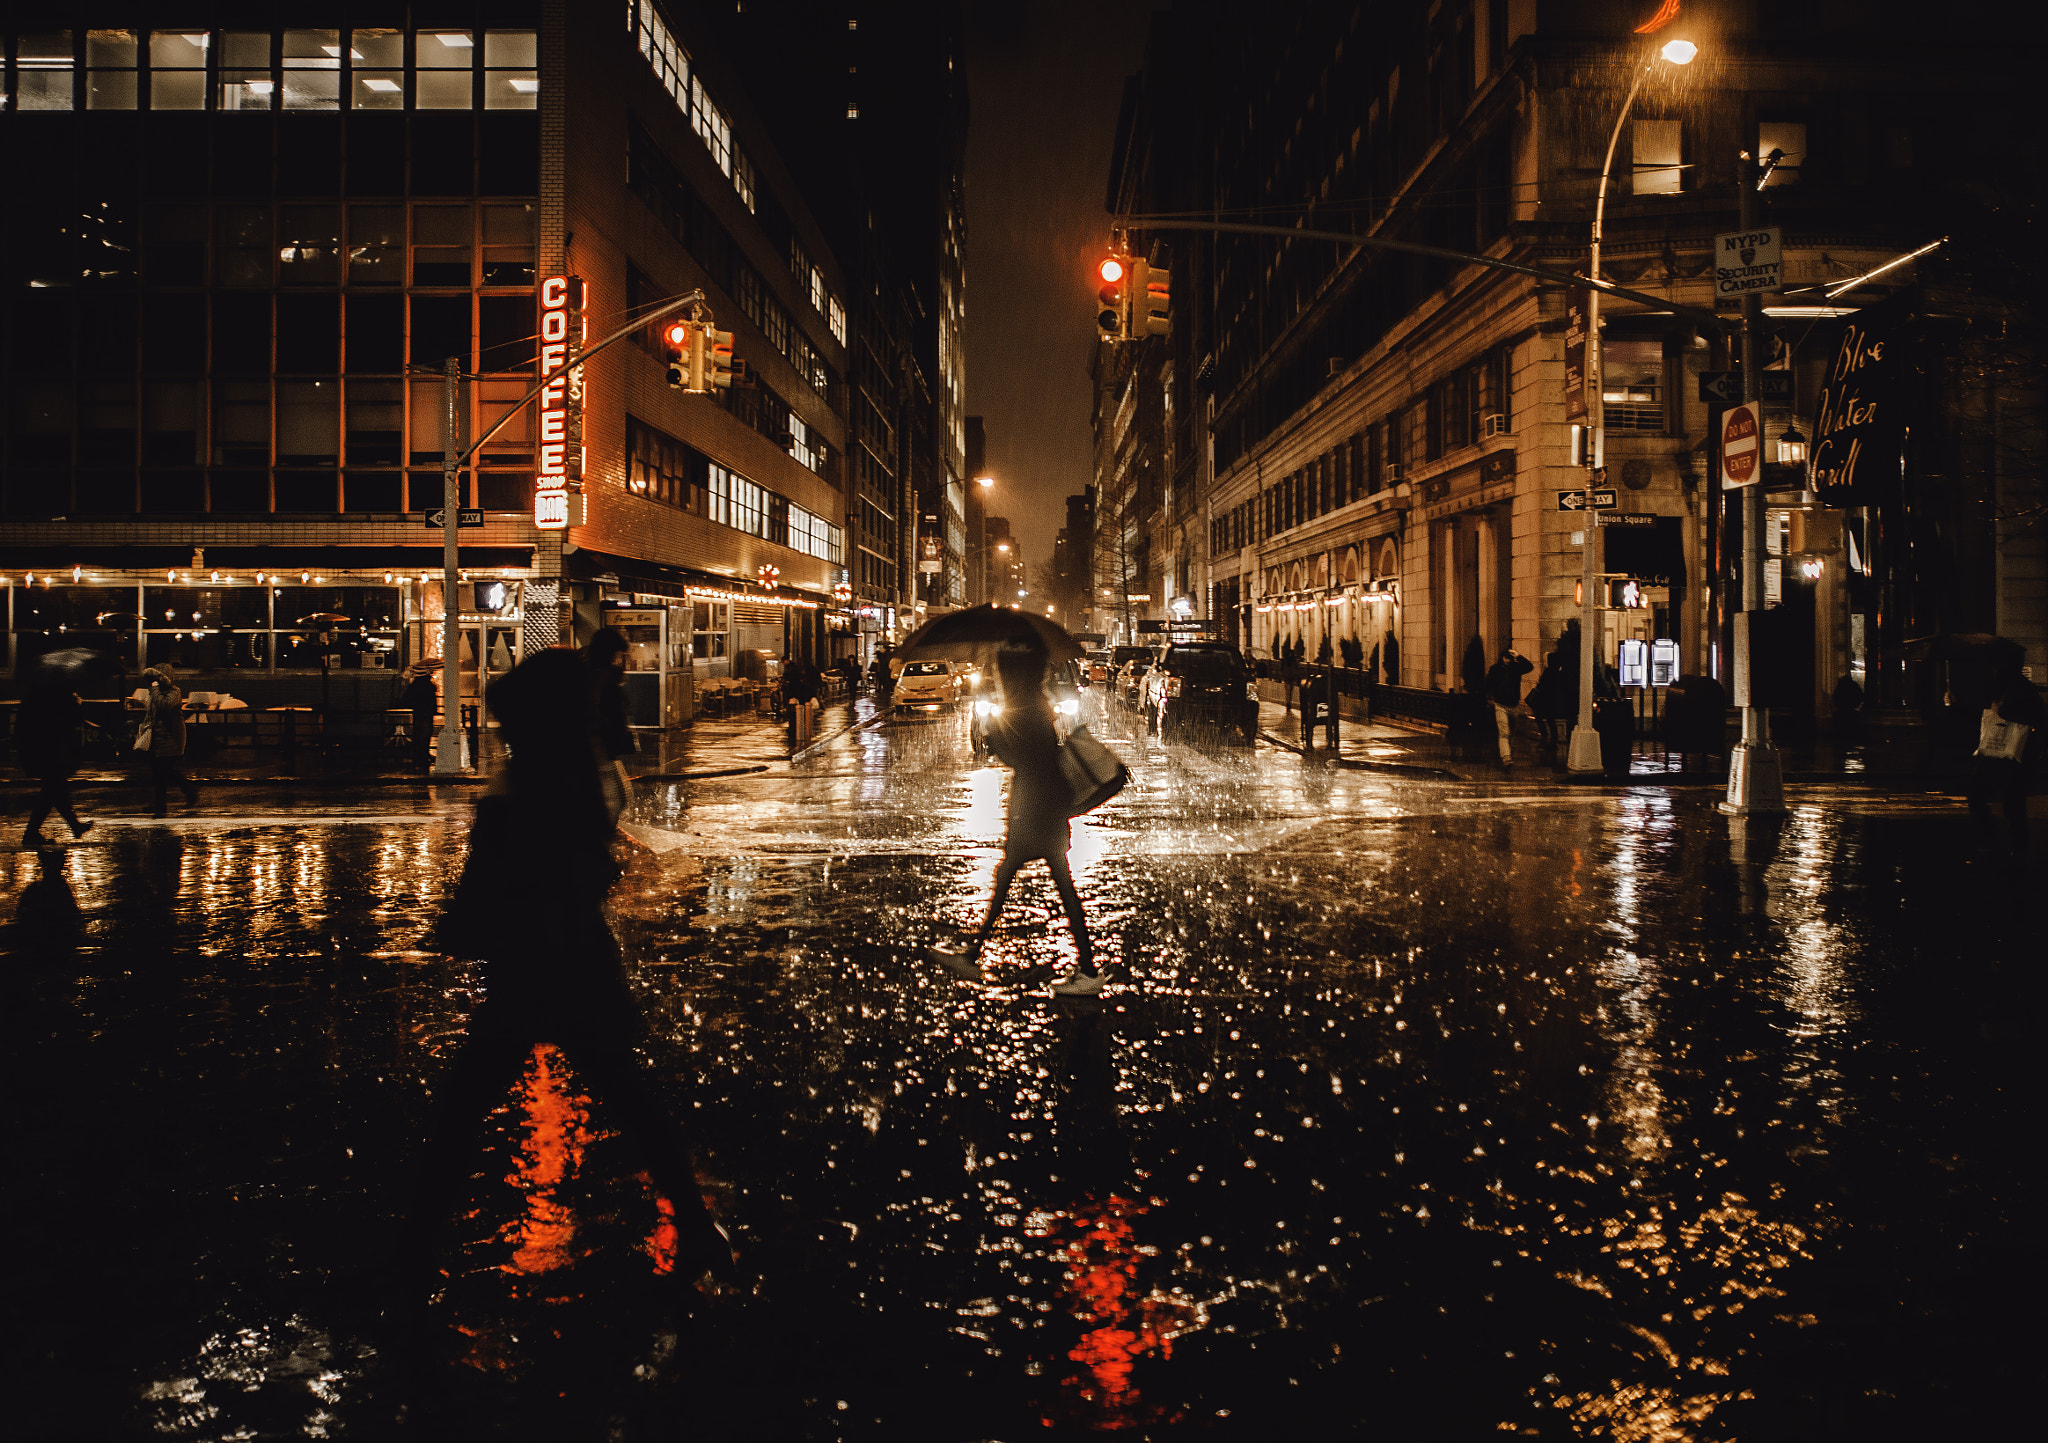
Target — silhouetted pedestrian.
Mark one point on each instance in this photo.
(2001, 775)
(164, 716)
(801, 683)
(419, 696)
(606, 656)
(46, 735)
(1503, 688)
(553, 967)
(1319, 708)
(1035, 826)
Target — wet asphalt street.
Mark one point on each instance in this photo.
(1421, 1110)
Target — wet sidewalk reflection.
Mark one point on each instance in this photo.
(1427, 1111)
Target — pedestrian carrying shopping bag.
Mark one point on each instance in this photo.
(1999, 739)
(1091, 771)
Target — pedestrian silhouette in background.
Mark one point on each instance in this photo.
(1555, 697)
(1319, 708)
(2004, 777)
(801, 684)
(606, 656)
(1504, 690)
(46, 734)
(1035, 826)
(553, 969)
(419, 697)
(164, 715)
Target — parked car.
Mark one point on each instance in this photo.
(1095, 668)
(1205, 684)
(1130, 680)
(930, 685)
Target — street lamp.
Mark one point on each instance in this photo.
(1585, 745)
(981, 541)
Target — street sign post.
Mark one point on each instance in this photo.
(1724, 388)
(437, 519)
(1748, 261)
(1605, 499)
(1742, 445)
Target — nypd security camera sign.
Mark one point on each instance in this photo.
(1748, 260)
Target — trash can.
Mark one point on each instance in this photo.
(1615, 721)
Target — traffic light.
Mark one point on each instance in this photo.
(1113, 320)
(679, 337)
(716, 349)
(1149, 300)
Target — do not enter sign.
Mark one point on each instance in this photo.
(1742, 449)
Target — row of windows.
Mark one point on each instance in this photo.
(672, 66)
(810, 276)
(664, 469)
(233, 332)
(875, 573)
(293, 245)
(328, 423)
(251, 70)
(250, 492)
(661, 186)
(752, 400)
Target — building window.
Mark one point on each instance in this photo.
(443, 60)
(835, 319)
(110, 57)
(312, 70)
(1788, 136)
(711, 126)
(511, 70)
(245, 81)
(177, 69)
(377, 69)
(1657, 160)
(670, 61)
(43, 71)
(1631, 385)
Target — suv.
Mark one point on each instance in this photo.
(1202, 683)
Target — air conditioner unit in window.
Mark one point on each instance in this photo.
(1394, 474)
(1495, 425)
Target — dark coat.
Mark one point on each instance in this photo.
(164, 716)
(1036, 822)
(1504, 680)
(46, 732)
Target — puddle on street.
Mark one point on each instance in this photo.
(1417, 1117)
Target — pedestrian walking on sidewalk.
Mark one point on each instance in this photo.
(606, 658)
(1555, 697)
(553, 968)
(1035, 827)
(419, 696)
(801, 684)
(46, 734)
(2004, 777)
(1504, 690)
(1319, 708)
(163, 717)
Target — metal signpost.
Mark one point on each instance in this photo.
(1747, 263)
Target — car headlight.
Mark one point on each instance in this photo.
(1070, 706)
(987, 708)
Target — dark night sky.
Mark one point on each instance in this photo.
(1044, 81)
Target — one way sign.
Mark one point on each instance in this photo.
(437, 519)
(1724, 388)
(1603, 500)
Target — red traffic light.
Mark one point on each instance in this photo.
(1112, 270)
(678, 333)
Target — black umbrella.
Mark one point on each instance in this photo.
(969, 635)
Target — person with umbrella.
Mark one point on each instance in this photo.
(1024, 738)
(47, 736)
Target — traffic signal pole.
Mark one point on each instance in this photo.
(1756, 780)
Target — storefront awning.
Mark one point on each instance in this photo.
(630, 573)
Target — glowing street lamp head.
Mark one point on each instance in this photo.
(1679, 52)
(1111, 270)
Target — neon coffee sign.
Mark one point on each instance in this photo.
(562, 333)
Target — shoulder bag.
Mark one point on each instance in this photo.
(1092, 772)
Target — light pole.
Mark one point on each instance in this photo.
(1756, 779)
(1585, 746)
(987, 484)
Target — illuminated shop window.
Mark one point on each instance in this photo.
(177, 69)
